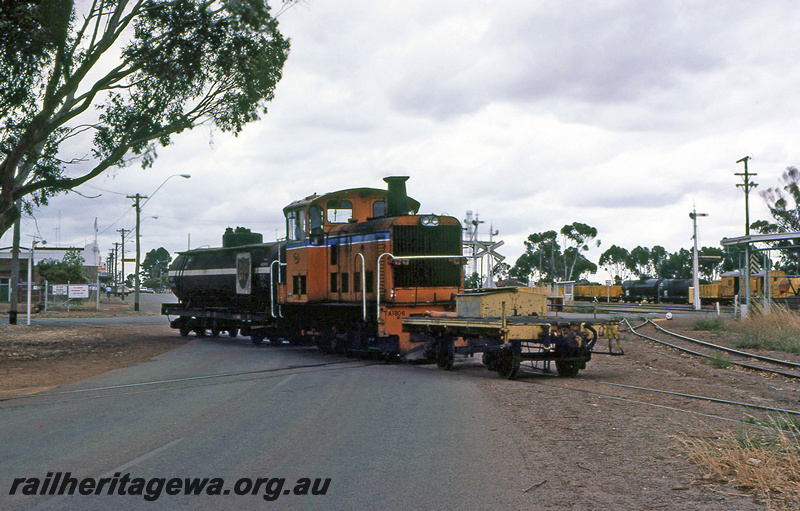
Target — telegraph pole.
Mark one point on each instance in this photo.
(122, 259)
(116, 264)
(136, 199)
(746, 185)
(695, 277)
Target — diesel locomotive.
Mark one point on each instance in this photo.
(353, 264)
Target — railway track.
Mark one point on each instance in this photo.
(646, 308)
(67, 396)
(739, 358)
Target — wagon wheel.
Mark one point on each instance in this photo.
(507, 364)
(567, 369)
(256, 337)
(446, 355)
(200, 332)
(184, 328)
(214, 332)
(489, 359)
(233, 332)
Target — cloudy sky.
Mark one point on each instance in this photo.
(535, 114)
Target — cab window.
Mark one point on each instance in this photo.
(296, 225)
(340, 211)
(315, 219)
(378, 209)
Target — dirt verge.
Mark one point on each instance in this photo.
(38, 358)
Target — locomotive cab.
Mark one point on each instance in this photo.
(358, 260)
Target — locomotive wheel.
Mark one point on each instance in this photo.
(445, 358)
(507, 364)
(214, 332)
(567, 369)
(184, 329)
(200, 332)
(233, 332)
(256, 338)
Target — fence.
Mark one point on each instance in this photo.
(63, 297)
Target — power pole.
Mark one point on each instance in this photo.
(695, 277)
(136, 199)
(746, 185)
(116, 265)
(122, 259)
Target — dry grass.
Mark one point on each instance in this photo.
(767, 465)
(778, 331)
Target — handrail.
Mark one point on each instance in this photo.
(272, 292)
(378, 294)
(363, 287)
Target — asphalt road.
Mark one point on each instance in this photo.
(387, 436)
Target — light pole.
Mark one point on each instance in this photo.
(695, 277)
(139, 207)
(30, 273)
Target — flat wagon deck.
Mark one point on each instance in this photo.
(507, 341)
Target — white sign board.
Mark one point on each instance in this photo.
(59, 289)
(79, 291)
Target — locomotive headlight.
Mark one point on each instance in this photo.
(430, 220)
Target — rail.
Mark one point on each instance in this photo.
(703, 355)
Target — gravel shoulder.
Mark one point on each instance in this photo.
(600, 446)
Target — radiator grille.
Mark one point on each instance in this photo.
(416, 240)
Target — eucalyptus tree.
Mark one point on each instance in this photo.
(784, 206)
(93, 85)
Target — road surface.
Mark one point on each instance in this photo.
(387, 436)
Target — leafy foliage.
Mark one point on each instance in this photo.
(156, 263)
(546, 258)
(616, 261)
(473, 281)
(186, 63)
(69, 269)
(784, 206)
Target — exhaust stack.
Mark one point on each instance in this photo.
(397, 203)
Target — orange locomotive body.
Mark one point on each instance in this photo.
(359, 260)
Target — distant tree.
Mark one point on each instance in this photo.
(658, 256)
(473, 281)
(546, 259)
(539, 260)
(116, 78)
(710, 261)
(616, 261)
(500, 270)
(578, 238)
(156, 263)
(67, 270)
(640, 263)
(155, 283)
(784, 206)
(677, 265)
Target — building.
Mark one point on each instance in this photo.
(90, 254)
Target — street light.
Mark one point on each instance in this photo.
(30, 272)
(695, 277)
(139, 207)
